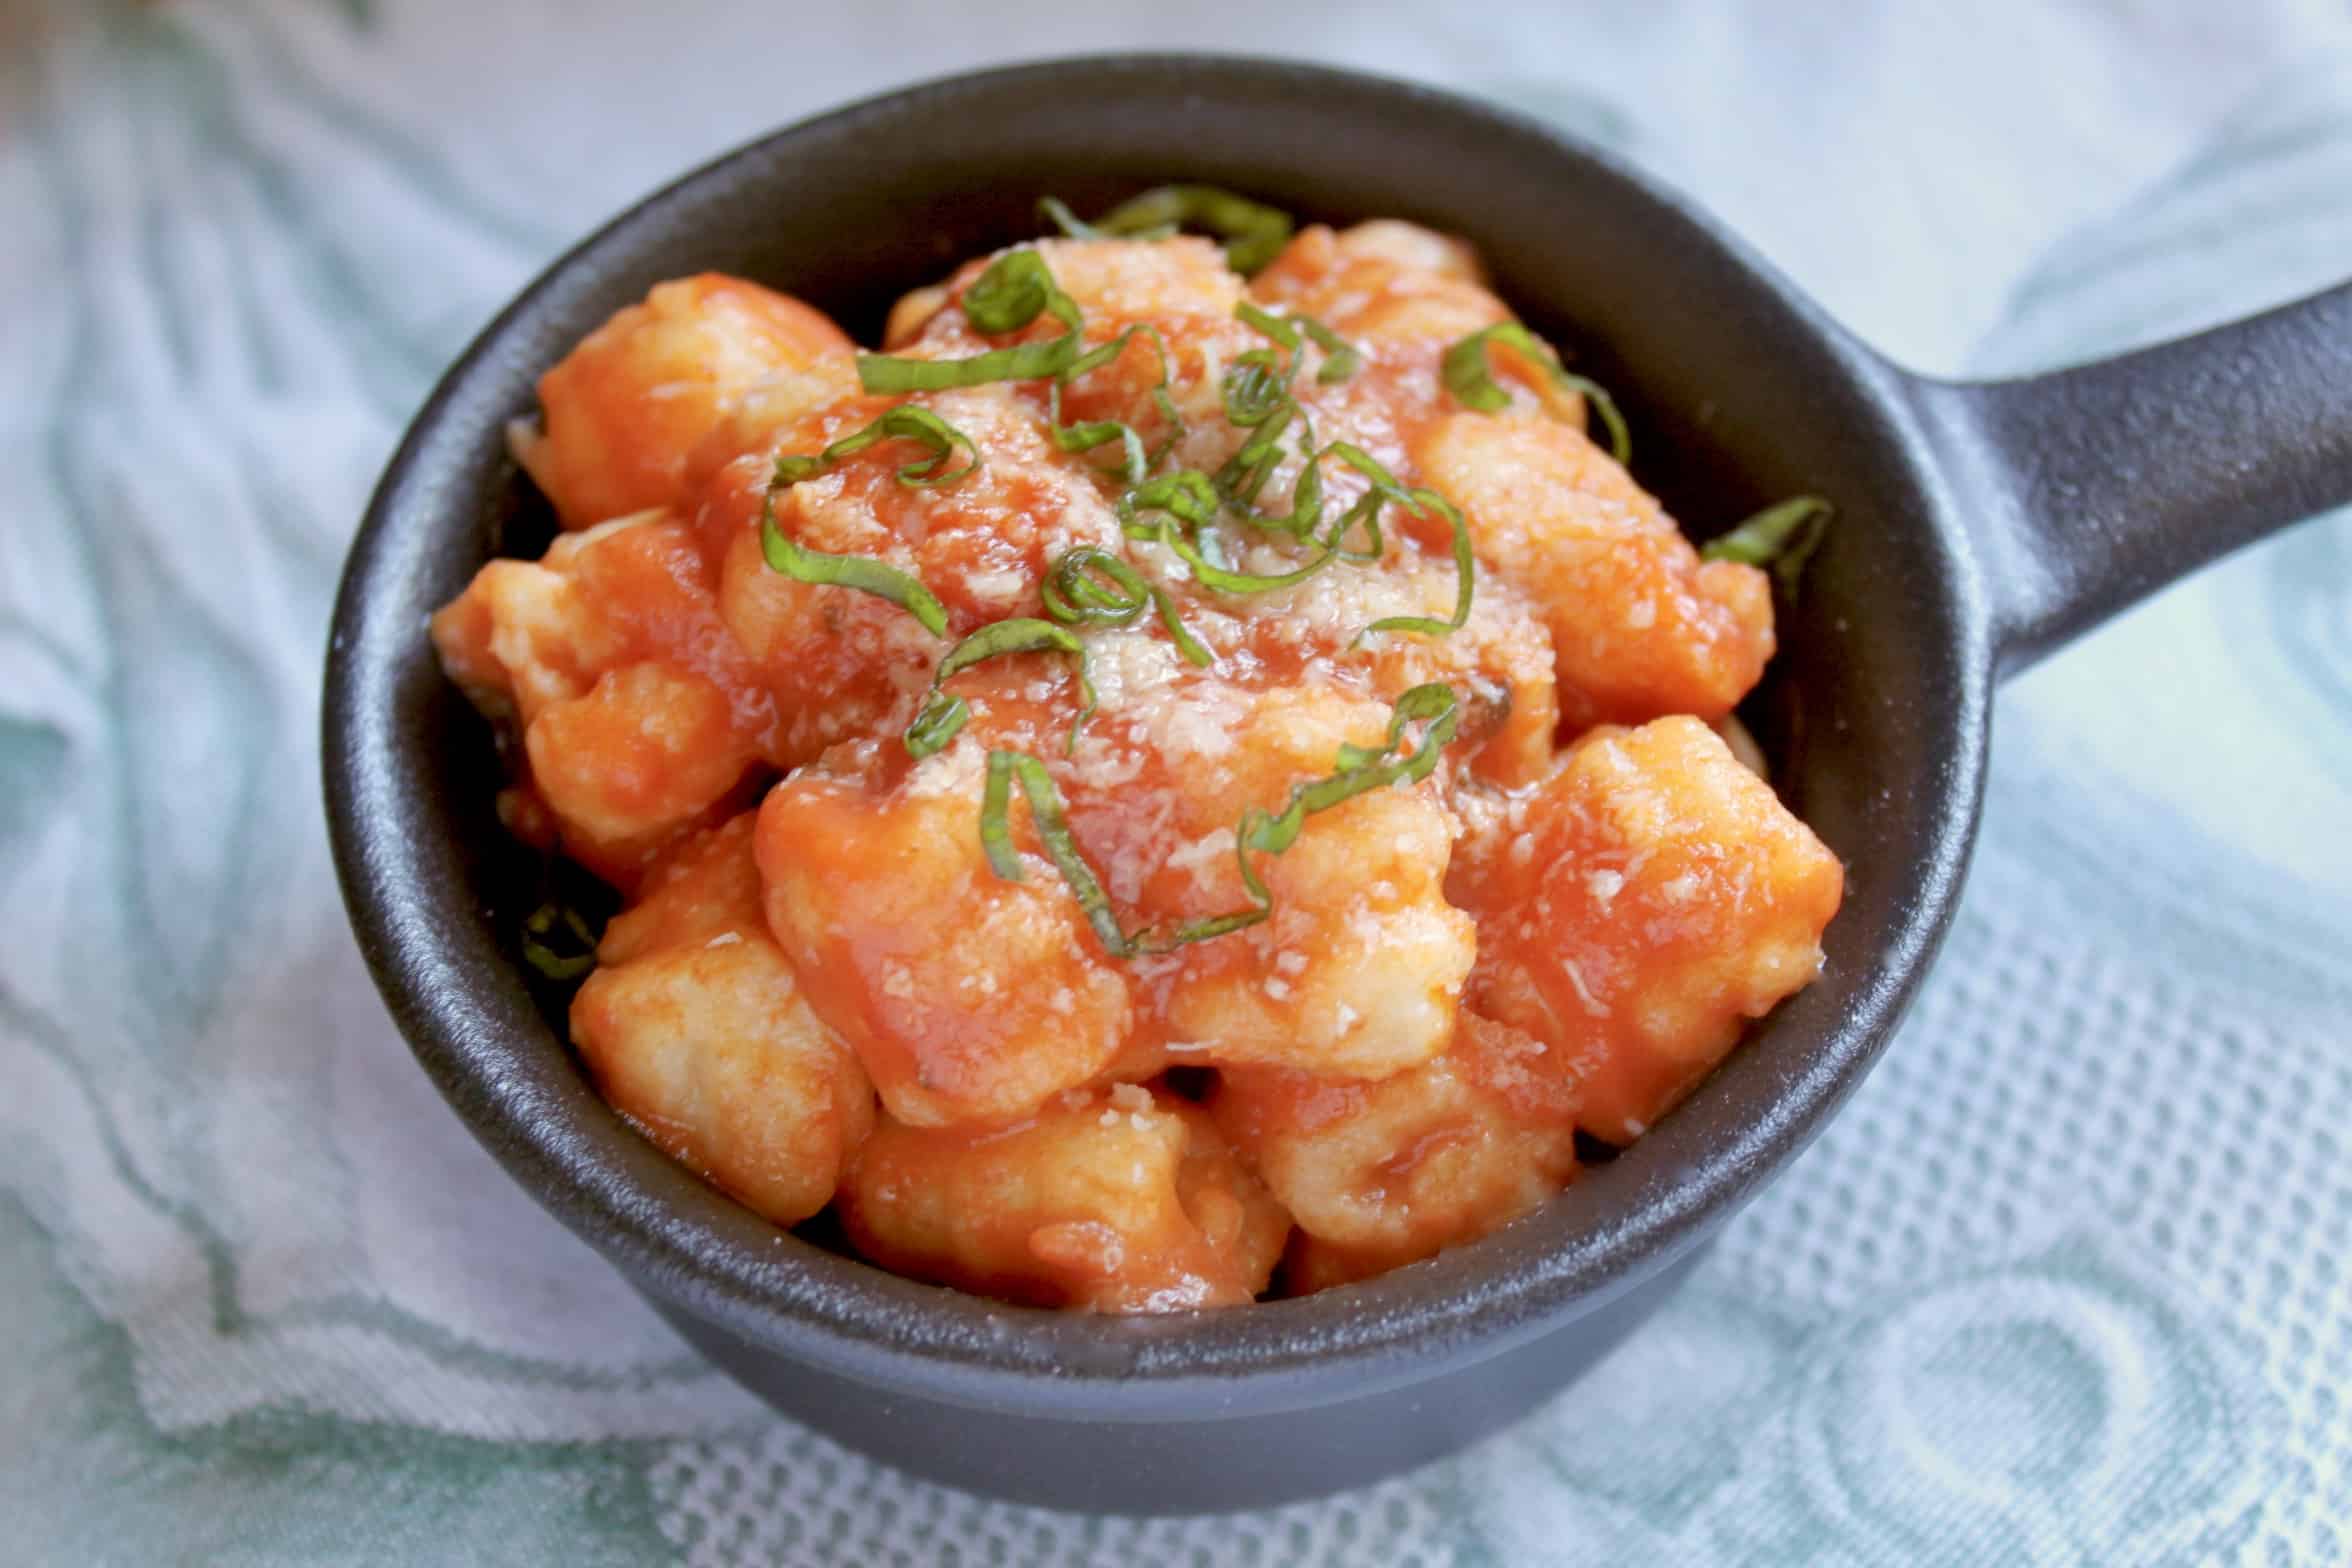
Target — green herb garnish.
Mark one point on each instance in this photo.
(1357, 770)
(1780, 538)
(1074, 592)
(943, 714)
(1255, 388)
(1340, 359)
(1465, 574)
(903, 423)
(1267, 324)
(1254, 234)
(1469, 377)
(1086, 437)
(861, 572)
(551, 958)
(1053, 830)
(1187, 503)
(1016, 289)
(1057, 212)
(1366, 512)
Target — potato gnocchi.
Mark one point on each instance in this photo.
(1161, 787)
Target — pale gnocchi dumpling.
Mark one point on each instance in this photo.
(694, 1028)
(1641, 627)
(968, 997)
(639, 719)
(1386, 1172)
(1649, 901)
(1118, 1199)
(624, 412)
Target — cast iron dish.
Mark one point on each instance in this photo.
(1978, 528)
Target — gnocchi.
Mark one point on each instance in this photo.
(1158, 787)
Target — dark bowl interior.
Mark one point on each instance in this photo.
(1739, 393)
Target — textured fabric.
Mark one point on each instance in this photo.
(2070, 1281)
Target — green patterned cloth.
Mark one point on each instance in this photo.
(2070, 1282)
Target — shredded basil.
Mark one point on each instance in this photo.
(1256, 386)
(1356, 771)
(1465, 573)
(1057, 212)
(1246, 472)
(943, 714)
(1780, 538)
(1188, 494)
(1053, 830)
(1340, 359)
(940, 720)
(1086, 437)
(903, 423)
(863, 573)
(1366, 512)
(1268, 324)
(1074, 593)
(1254, 234)
(552, 959)
(1187, 502)
(1469, 377)
(1016, 289)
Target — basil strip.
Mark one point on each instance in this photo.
(1245, 473)
(1781, 538)
(1073, 594)
(1086, 437)
(996, 834)
(940, 720)
(1357, 771)
(903, 423)
(1225, 579)
(1189, 497)
(1254, 234)
(1465, 572)
(1187, 493)
(1254, 388)
(1340, 359)
(1016, 289)
(846, 571)
(1257, 384)
(1469, 377)
(547, 957)
(1268, 324)
(1057, 213)
(1385, 490)
(1360, 771)
(1053, 830)
(943, 714)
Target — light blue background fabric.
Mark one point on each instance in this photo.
(2070, 1282)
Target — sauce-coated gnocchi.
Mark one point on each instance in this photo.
(1159, 786)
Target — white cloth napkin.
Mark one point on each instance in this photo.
(2069, 1282)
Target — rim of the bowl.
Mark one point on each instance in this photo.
(700, 1251)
